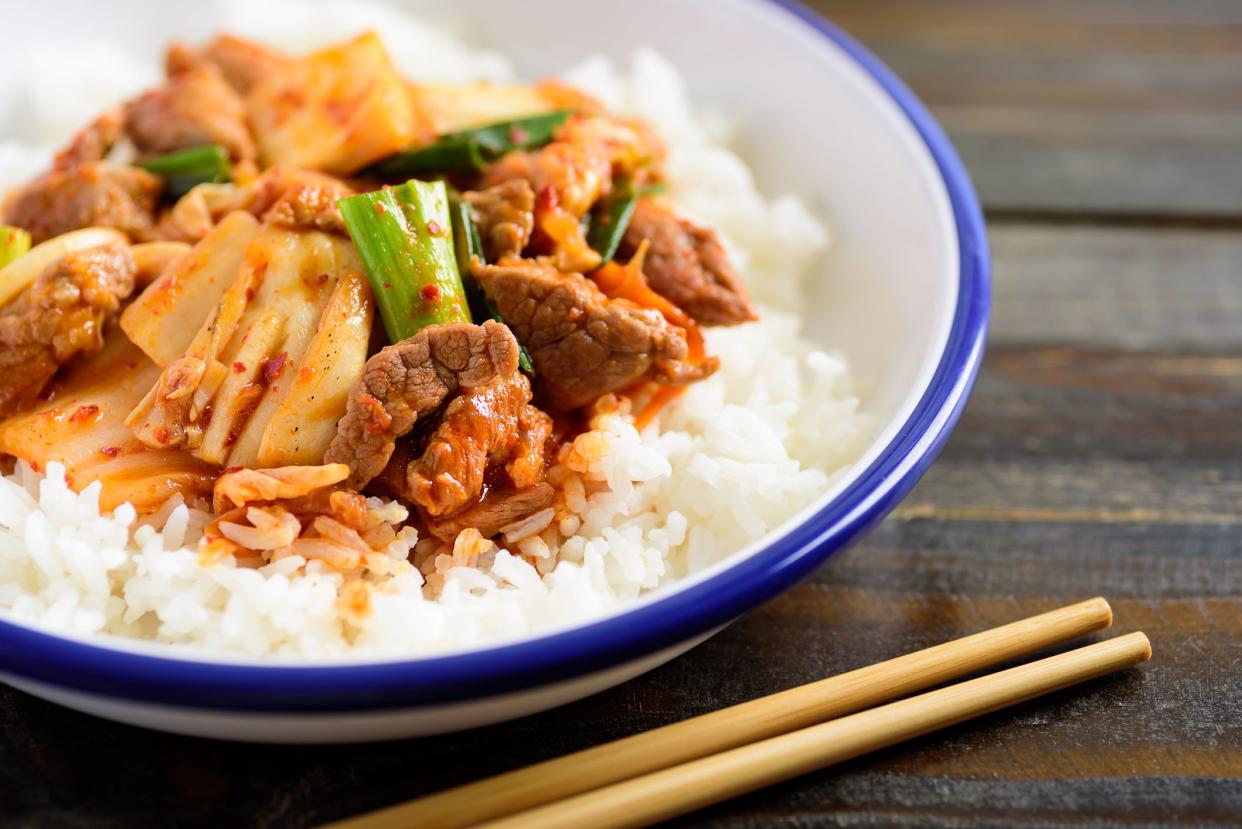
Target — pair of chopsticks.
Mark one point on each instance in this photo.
(685, 766)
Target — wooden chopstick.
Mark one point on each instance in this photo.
(738, 725)
(671, 792)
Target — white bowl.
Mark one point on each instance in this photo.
(903, 293)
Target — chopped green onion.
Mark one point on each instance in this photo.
(610, 219)
(404, 236)
(447, 154)
(14, 242)
(470, 151)
(653, 189)
(185, 169)
(469, 246)
(465, 234)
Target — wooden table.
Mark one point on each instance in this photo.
(1101, 454)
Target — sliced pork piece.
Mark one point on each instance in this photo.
(97, 194)
(505, 215)
(568, 176)
(687, 264)
(93, 141)
(482, 427)
(584, 344)
(242, 62)
(411, 379)
(61, 315)
(282, 196)
(194, 108)
(498, 508)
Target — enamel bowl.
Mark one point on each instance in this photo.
(903, 293)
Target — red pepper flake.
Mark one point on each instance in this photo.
(161, 435)
(239, 367)
(430, 293)
(204, 418)
(232, 469)
(110, 451)
(249, 294)
(322, 278)
(380, 208)
(546, 199)
(84, 414)
(379, 418)
(517, 135)
(435, 228)
(272, 367)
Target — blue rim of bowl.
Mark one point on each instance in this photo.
(630, 635)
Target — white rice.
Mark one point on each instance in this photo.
(737, 456)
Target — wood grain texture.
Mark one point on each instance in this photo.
(1133, 287)
(1114, 106)
(1101, 453)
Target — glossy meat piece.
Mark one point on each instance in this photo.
(584, 344)
(499, 508)
(411, 379)
(481, 427)
(282, 196)
(300, 200)
(92, 142)
(505, 217)
(242, 62)
(61, 315)
(568, 176)
(97, 194)
(687, 264)
(194, 108)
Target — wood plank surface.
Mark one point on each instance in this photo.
(1175, 289)
(1101, 453)
(1113, 106)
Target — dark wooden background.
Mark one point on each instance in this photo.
(1101, 454)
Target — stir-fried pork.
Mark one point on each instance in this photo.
(498, 508)
(283, 196)
(97, 194)
(482, 427)
(410, 380)
(505, 217)
(568, 177)
(584, 344)
(195, 107)
(61, 315)
(92, 142)
(686, 263)
(242, 62)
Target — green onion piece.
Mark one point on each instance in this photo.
(185, 169)
(610, 219)
(470, 151)
(653, 189)
(469, 246)
(14, 242)
(465, 234)
(404, 236)
(447, 154)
